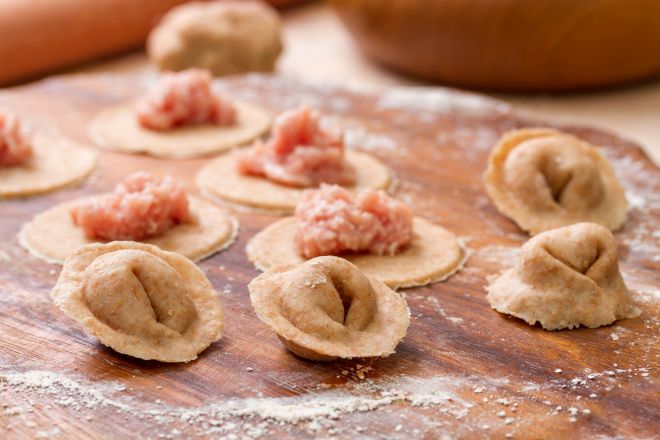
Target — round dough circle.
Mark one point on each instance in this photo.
(433, 255)
(386, 329)
(206, 328)
(220, 179)
(117, 129)
(610, 212)
(52, 236)
(55, 164)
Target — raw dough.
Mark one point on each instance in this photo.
(565, 278)
(55, 164)
(52, 236)
(543, 179)
(327, 308)
(118, 129)
(220, 179)
(226, 37)
(140, 300)
(433, 255)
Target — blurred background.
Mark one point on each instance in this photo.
(589, 61)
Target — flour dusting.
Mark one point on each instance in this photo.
(245, 417)
(501, 257)
(359, 138)
(441, 100)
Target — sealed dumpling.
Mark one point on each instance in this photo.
(140, 300)
(543, 179)
(565, 278)
(327, 308)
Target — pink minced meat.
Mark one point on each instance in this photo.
(184, 98)
(300, 153)
(141, 206)
(15, 148)
(331, 220)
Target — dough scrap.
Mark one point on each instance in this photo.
(543, 179)
(433, 255)
(565, 278)
(55, 164)
(226, 37)
(327, 308)
(220, 179)
(140, 300)
(118, 129)
(52, 236)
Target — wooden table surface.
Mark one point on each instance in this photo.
(318, 49)
(463, 371)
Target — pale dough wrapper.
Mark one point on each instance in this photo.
(565, 278)
(55, 164)
(140, 300)
(118, 129)
(52, 235)
(433, 255)
(220, 179)
(327, 308)
(543, 179)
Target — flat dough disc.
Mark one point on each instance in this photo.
(117, 129)
(56, 163)
(433, 255)
(52, 236)
(220, 179)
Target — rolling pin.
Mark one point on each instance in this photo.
(38, 36)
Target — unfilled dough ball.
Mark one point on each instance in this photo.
(226, 37)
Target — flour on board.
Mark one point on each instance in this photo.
(441, 100)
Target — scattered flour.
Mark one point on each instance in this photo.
(68, 391)
(489, 261)
(441, 100)
(246, 417)
(259, 417)
(635, 200)
(435, 304)
(359, 138)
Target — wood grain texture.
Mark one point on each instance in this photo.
(464, 370)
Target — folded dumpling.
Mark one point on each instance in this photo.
(326, 308)
(543, 179)
(140, 300)
(565, 278)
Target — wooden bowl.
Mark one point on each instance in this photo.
(517, 45)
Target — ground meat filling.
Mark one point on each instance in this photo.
(141, 206)
(15, 147)
(300, 153)
(182, 99)
(331, 220)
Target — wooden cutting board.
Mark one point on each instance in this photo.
(463, 371)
